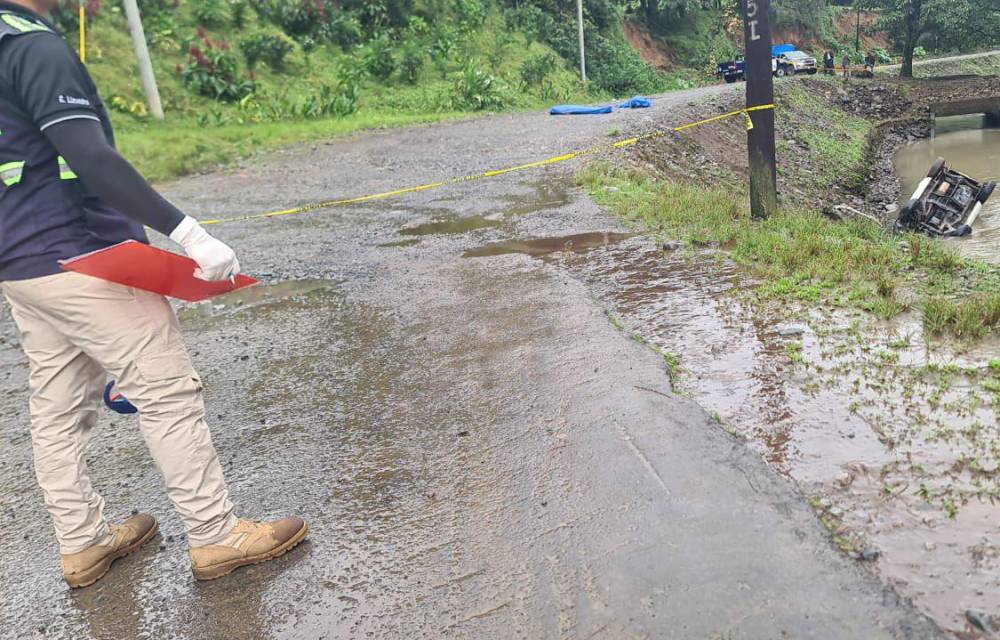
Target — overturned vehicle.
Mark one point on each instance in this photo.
(946, 203)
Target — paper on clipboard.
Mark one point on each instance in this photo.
(138, 265)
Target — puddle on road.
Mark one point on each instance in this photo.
(547, 195)
(544, 196)
(251, 297)
(895, 437)
(452, 226)
(578, 243)
(400, 243)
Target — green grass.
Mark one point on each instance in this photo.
(932, 254)
(797, 250)
(972, 317)
(837, 148)
(700, 215)
(794, 352)
(798, 253)
(167, 150)
(802, 255)
(673, 365)
(200, 133)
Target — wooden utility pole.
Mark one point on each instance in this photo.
(760, 92)
(583, 54)
(142, 56)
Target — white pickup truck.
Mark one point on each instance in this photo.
(793, 62)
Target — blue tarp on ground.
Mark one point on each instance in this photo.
(638, 102)
(578, 110)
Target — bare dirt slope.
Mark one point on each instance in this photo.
(653, 50)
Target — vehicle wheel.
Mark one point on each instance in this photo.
(812, 72)
(987, 191)
(730, 79)
(936, 168)
(781, 72)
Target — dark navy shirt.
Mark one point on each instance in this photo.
(46, 213)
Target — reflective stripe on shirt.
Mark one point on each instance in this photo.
(11, 172)
(65, 173)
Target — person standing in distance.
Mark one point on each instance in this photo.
(65, 191)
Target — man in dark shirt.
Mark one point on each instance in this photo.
(65, 191)
(870, 64)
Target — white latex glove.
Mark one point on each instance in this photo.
(216, 261)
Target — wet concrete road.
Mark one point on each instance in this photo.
(479, 452)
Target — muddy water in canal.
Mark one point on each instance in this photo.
(973, 148)
(893, 438)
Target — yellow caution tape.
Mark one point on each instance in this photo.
(491, 174)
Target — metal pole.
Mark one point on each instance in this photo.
(583, 55)
(142, 56)
(83, 31)
(760, 92)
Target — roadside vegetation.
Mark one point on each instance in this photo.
(237, 76)
(701, 34)
(800, 254)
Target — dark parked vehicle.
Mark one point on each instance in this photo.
(733, 70)
(945, 203)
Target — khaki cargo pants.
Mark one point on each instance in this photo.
(74, 328)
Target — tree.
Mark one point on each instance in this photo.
(909, 19)
(966, 23)
(658, 12)
(806, 14)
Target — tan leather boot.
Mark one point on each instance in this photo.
(87, 567)
(249, 542)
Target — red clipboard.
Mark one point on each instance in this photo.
(141, 266)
